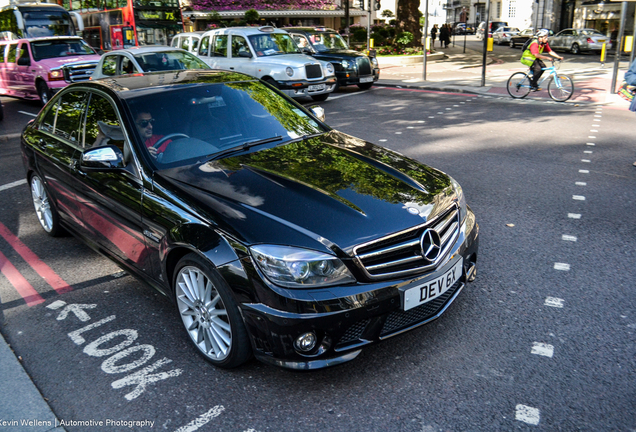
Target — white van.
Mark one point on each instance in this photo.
(270, 54)
(187, 41)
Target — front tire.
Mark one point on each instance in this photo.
(365, 86)
(43, 92)
(44, 210)
(575, 49)
(563, 92)
(210, 314)
(518, 85)
(321, 97)
(512, 44)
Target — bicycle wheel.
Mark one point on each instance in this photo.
(561, 88)
(518, 85)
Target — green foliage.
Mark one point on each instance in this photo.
(404, 38)
(386, 13)
(359, 34)
(252, 16)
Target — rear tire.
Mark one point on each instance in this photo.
(563, 93)
(518, 85)
(512, 44)
(575, 49)
(43, 92)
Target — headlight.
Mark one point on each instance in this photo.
(461, 200)
(375, 62)
(329, 68)
(300, 268)
(345, 64)
(56, 75)
(290, 71)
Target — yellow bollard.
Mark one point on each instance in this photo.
(629, 42)
(428, 43)
(490, 44)
(603, 53)
(370, 43)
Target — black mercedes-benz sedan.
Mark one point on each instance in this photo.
(275, 235)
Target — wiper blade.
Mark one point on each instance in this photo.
(245, 146)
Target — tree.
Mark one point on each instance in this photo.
(386, 13)
(408, 19)
(252, 16)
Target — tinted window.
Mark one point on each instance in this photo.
(219, 48)
(185, 44)
(2, 50)
(169, 60)
(70, 113)
(109, 66)
(24, 50)
(102, 124)
(239, 44)
(60, 48)
(277, 43)
(127, 66)
(48, 122)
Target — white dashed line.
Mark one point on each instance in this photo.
(542, 349)
(382, 140)
(554, 302)
(590, 144)
(578, 197)
(562, 266)
(440, 112)
(568, 238)
(398, 133)
(593, 130)
(431, 116)
(527, 414)
(586, 160)
(421, 121)
(410, 127)
(584, 171)
(580, 183)
(588, 151)
(574, 216)
(12, 185)
(591, 137)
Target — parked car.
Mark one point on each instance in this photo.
(493, 26)
(187, 41)
(518, 40)
(272, 55)
(351, 67)
(146, 59)
(459, 28)
(273, 233)
(503, 34)
(579, 40)
(37, 68)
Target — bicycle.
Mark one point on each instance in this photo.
(560, 87)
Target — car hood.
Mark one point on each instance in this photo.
(332, 192)
(338, 54)
(62, 61)
(293, 60)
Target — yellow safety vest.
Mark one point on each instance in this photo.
(527, 58)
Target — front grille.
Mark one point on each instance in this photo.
(313, 71)
(399, 320)
(364, 66)
(401, 253)
(79, 72)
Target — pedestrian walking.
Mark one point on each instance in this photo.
(434, 32)
(444, 36)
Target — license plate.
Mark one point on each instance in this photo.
(433, 288)
(366, 79)
(601, 40)
(316, 87)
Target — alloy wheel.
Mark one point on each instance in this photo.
(41, 204)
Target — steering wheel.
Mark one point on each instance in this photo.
(167, 137)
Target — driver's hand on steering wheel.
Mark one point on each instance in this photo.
(152, 151)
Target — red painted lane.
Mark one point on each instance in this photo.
(427, 91)
(36, 263)
(22, 286)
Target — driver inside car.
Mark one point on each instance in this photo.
(144, 123)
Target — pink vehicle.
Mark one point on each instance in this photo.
(37, 68)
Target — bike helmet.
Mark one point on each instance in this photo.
(542, 33)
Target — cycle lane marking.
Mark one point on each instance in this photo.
(19, 282)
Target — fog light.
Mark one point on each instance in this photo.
(306, 342)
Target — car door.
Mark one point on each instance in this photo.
(56, 145)
(3, 70)
(238, 56)
(218, 53)
(25, 77)
(111, 199)
(12, 70)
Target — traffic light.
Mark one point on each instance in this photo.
(377, 5)
(369, 5)
(361, 4)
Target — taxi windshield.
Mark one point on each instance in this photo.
(273, 44)
(327, 41)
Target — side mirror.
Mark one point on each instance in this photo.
(318, 111)
(102, 159)
(372, 53)
(24, 61)
(244, 53)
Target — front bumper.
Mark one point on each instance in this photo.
(345, 319)
(303, 88)
(347, 78)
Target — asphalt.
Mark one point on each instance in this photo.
(451, 69)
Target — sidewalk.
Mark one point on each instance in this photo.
(453, 70)
(22, 407)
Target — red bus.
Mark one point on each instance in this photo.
(117, 24)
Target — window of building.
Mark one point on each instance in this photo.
(512, 8)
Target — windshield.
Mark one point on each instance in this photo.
(273, 44)
(190, 124)
(169, 60)
(59, 48)
(591, 33)
(47, 23)
(327, 41)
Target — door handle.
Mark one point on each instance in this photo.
(73, 165)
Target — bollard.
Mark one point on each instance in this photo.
(370, 43)
(490, 44)
(603, 55)
(629, 42)
(428, 43)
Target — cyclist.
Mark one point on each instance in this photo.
(533, 56)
